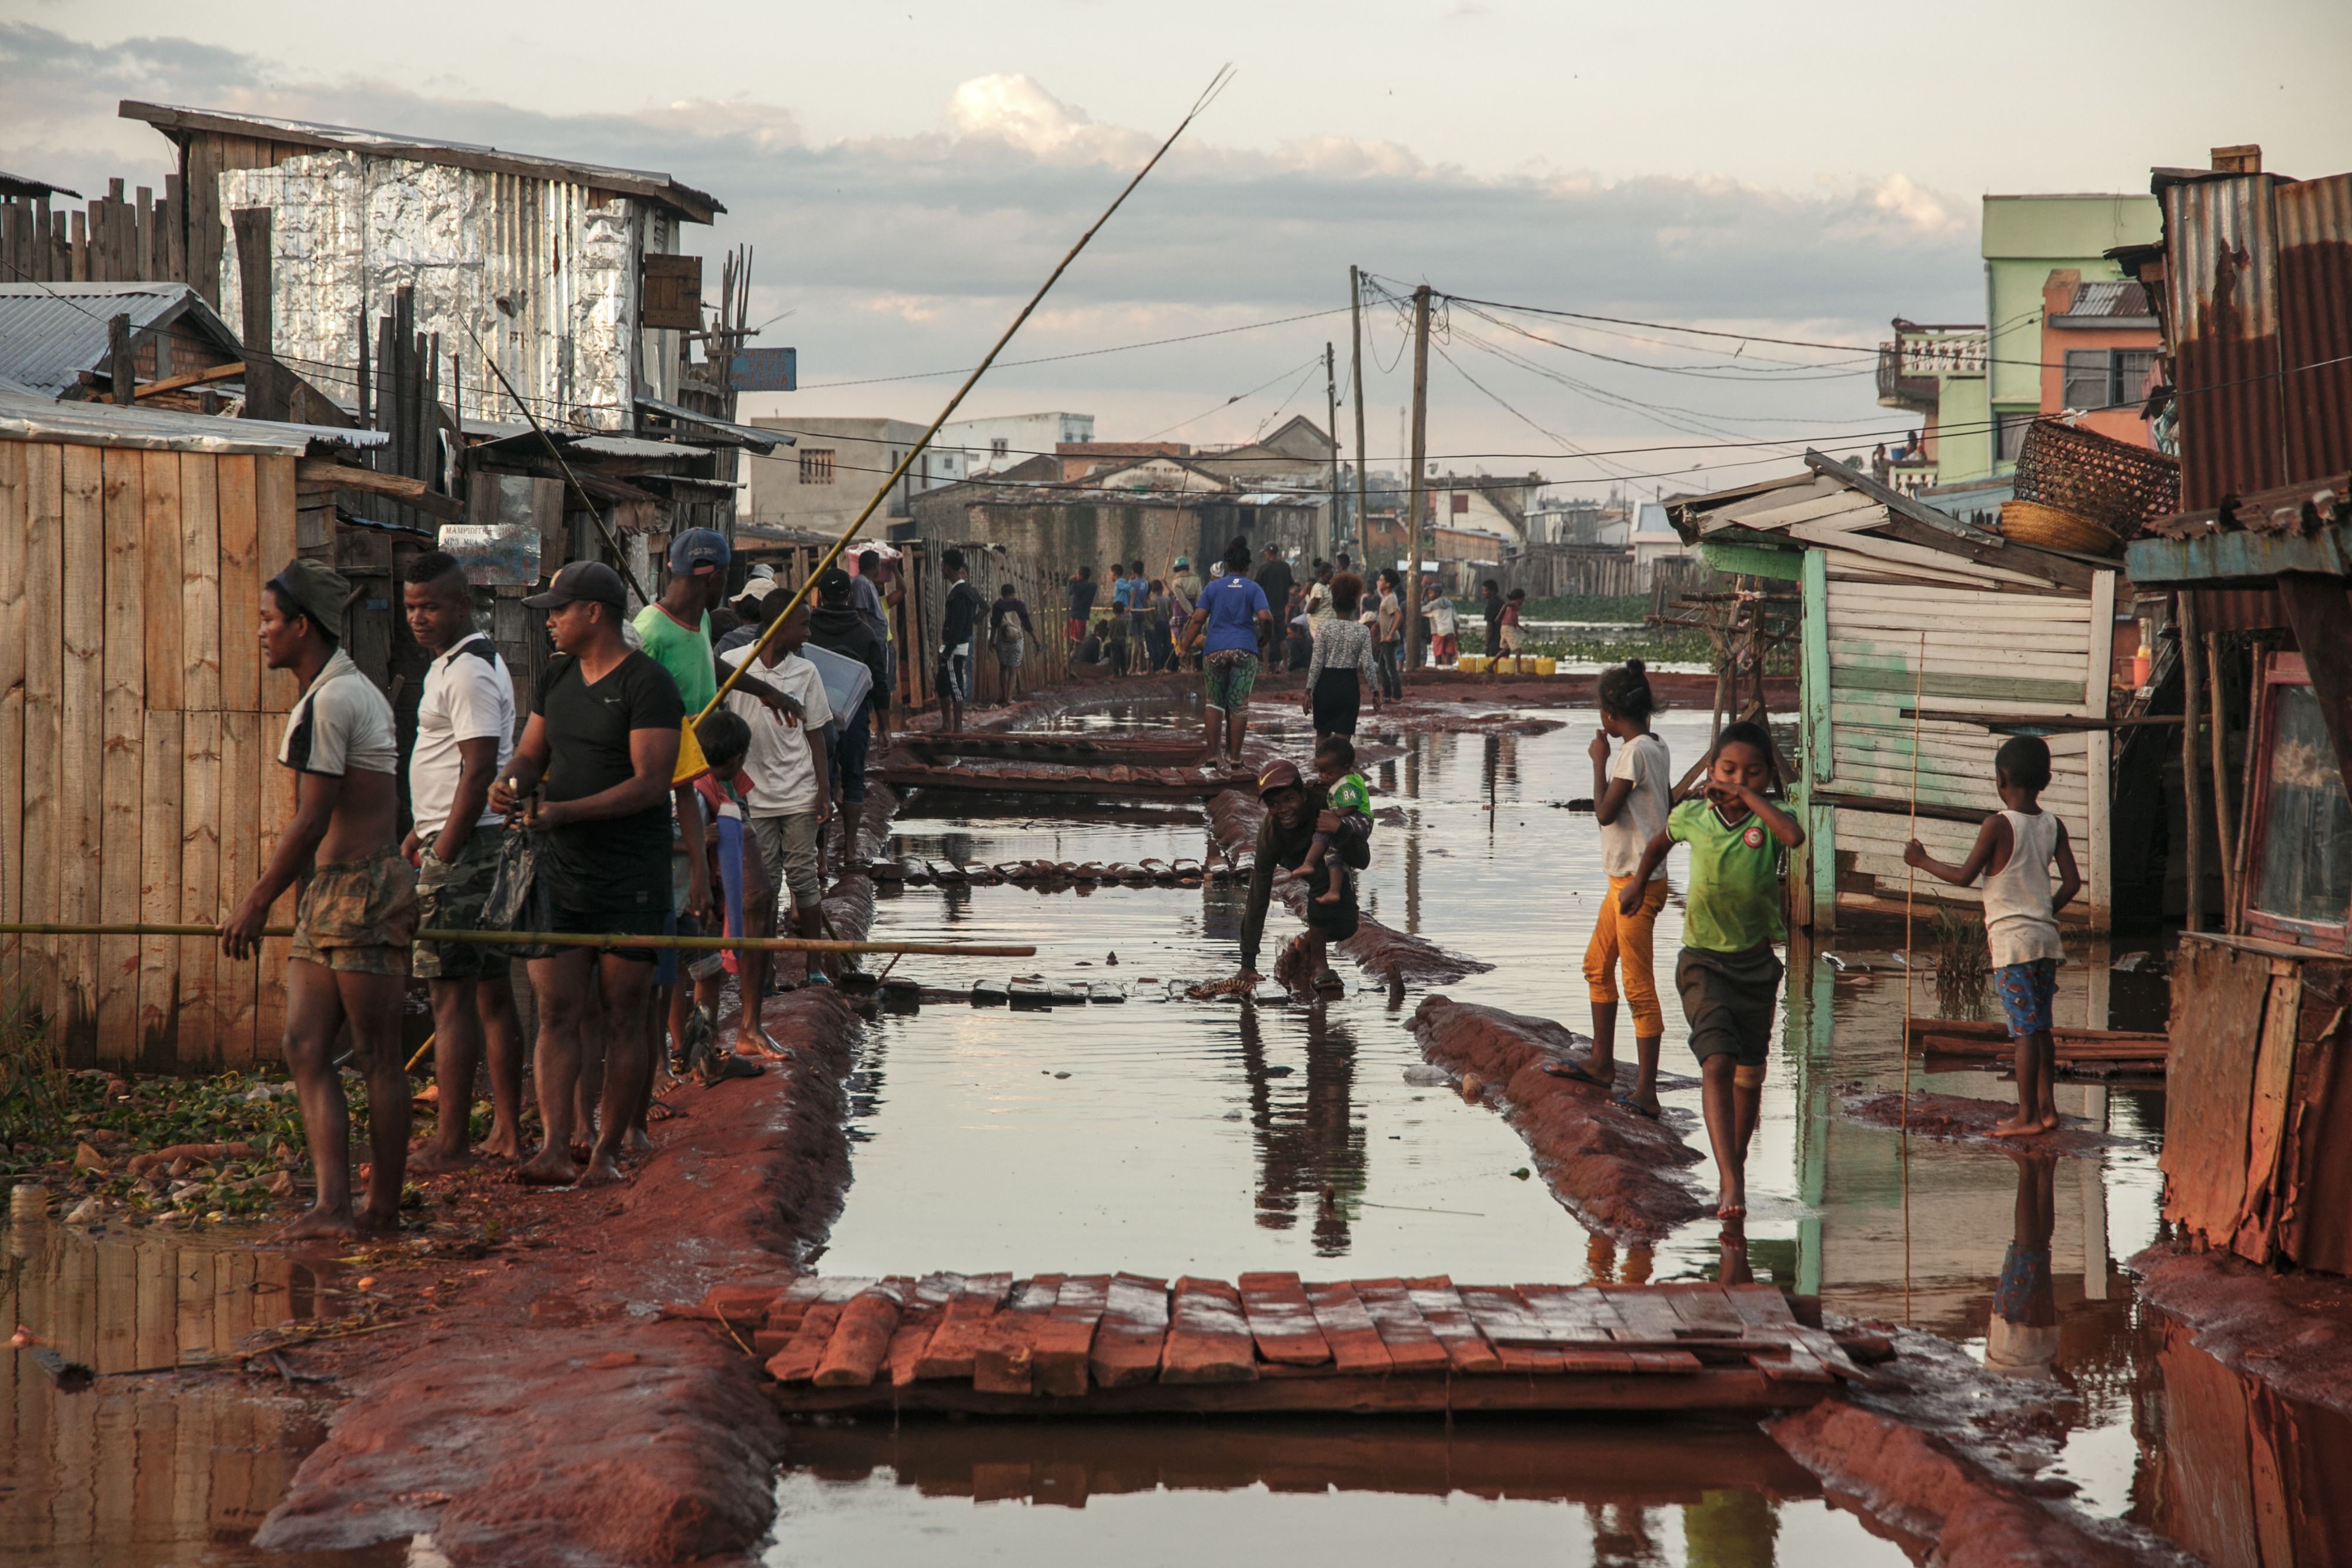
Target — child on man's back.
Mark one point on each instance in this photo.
(2013, 853)
(1335, 765)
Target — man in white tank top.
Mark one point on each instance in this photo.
(2013, 851)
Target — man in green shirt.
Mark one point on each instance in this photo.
(675, 630)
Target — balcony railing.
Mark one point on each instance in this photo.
(1941, 353)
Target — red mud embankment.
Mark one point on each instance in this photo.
(1617, 1172)
(539, 1410)
(2293, 1330)
(1381, 951)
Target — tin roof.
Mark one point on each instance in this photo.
(179, 122)
(52, 332)
(2108, 303)
(33, 417)
(34, 190)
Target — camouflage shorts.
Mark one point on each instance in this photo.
(358, 917)
(450, 898)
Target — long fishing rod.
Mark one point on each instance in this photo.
(800, 595)
(568, 939)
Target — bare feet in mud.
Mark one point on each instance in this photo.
(317, 1224)
(1731, 1202)
(603, 1170)
(501, 1145)
(431, 1160)
(374, 1222)
(637, 1142)
(2022, 1126)
(551, 1166)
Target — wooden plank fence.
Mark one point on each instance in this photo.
(138, 731)
(139, 239)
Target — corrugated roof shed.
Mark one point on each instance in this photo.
(33, 190)
(52, 332)
(2107, 303)
(29, 416)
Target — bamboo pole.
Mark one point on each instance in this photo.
(1910, 891)
(921, 444)
(2193, 814)
(568, 939)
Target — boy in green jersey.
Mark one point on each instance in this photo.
(1730, 979)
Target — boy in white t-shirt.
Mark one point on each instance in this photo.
(791, 802)
(1632, 793)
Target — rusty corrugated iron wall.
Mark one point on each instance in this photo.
(2315, 284)
(2221, 287)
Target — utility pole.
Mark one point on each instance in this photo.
(1331, 400)
(1356, 360)
(1420, 462)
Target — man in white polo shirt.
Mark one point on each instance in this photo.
(465, 734)
(791, 799)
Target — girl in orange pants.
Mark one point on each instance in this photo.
(1631, 791)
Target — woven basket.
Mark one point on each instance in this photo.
(2031, 523)
(2113, 483)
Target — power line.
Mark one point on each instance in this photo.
(1087, 353)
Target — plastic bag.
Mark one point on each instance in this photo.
(514, 901)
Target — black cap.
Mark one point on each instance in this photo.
(832, 583)
(589, 579)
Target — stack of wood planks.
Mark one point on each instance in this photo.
(2110, 1051)
(1122, 1343)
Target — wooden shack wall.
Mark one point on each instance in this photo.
(137, 728)
(2017, 653)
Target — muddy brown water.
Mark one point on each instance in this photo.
(1220, 1137)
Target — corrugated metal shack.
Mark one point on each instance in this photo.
(138, 726)
(2011, 635)
(2252, 280)
(567, 270)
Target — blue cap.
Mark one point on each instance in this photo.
(695, 548)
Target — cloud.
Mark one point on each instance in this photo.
(909, 252)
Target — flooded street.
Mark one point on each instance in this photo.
(1171, 1136)
(1166, 1136)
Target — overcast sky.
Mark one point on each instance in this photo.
(907, 172)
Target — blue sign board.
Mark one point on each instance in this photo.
(766, 370)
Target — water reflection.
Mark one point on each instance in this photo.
(150, 1470)
(1310, 1142)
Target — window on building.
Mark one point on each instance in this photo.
(2090, 378)
(2133, 370)
(1461, 504)
(2009, 435)
(999, 446)
(816, 465)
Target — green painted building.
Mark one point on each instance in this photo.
(1978, 385)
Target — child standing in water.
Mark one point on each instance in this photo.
(2012, 853)
(1632, 793)
(1335, 766)
(1727, 972)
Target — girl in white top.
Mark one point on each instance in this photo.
(2013, 853)
(1632, 792)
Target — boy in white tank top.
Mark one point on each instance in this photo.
(2012, 853)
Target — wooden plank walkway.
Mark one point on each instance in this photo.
(1120, 1344)
(2118, 1049)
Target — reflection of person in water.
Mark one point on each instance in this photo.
(2022, 1337)
(1317, 1150)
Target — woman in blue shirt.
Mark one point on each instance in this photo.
(1230, 611)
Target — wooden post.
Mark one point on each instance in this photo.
(2257, 663)
(124, 365)
(265, 391)
(1420, 460)
(1356, 365)
(2315, 607)
(1332, 400)
(2225, 838)
(2192, 702)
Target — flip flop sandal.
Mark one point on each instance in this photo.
(1329, 983)
(1628, 1103)
(1567, 1067)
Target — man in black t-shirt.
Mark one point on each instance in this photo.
(592, 777)
(957, 623)
(1081, 598)
(1273, 578)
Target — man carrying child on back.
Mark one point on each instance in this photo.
(1347, 795)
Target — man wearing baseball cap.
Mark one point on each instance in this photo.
(593, 776)
(357, 907)
(1295, 811)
